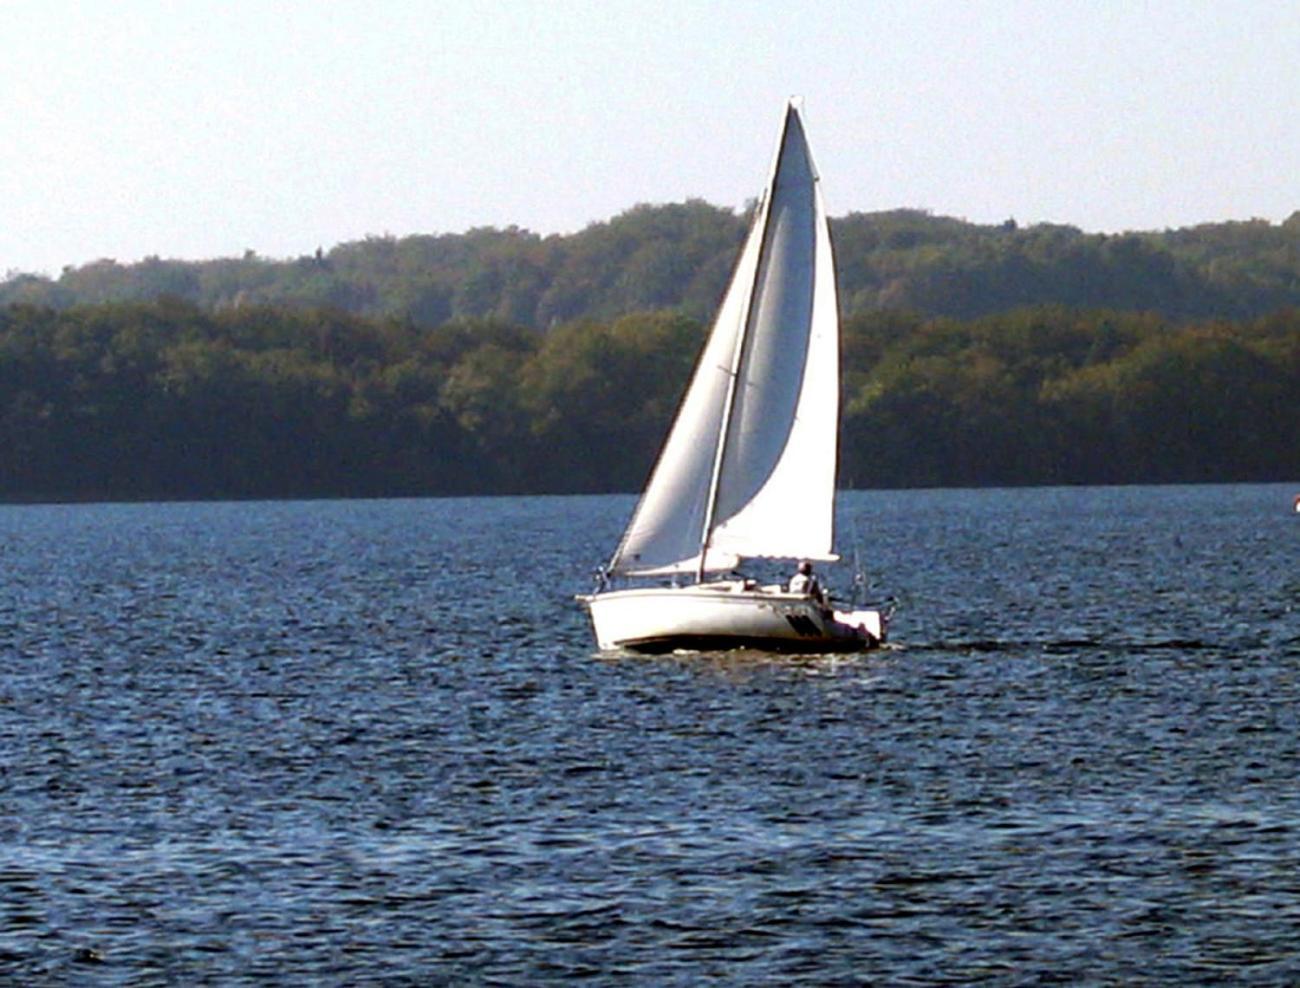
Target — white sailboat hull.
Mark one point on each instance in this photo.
(726, 615)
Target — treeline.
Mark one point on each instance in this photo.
(678, 257)
(169, 399)
(1059, 396)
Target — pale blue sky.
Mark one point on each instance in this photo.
(202, 128)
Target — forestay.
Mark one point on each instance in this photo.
(749, 470)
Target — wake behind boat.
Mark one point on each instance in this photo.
(748, 469)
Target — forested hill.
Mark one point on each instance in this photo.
(498, 361)
(165, 399)
(678, 257)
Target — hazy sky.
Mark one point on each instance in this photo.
(202, 128)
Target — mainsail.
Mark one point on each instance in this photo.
(749, 467)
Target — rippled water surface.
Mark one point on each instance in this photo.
(370, 742)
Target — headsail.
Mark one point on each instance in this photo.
(769, 490)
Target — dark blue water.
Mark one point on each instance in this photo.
(369, 742)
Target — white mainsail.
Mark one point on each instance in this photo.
(749, 467)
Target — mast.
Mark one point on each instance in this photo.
(738, 356)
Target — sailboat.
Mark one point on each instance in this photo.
(748, 470)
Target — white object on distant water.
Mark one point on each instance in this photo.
(748, 469)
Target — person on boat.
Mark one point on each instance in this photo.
(805, 582)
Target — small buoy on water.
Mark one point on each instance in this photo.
(1297, 504)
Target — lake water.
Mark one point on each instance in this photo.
(371, 742)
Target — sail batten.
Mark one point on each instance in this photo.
(748, 469)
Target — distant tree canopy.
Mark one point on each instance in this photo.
(172, 399)
(1058, 396)
(501, 361)
(678, 257)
